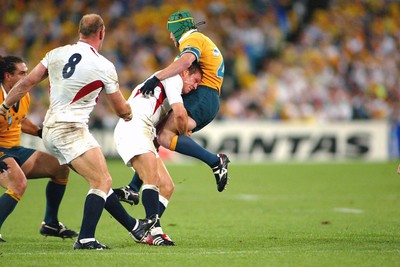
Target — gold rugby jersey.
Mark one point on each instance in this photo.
(208, 56)
(10, 126)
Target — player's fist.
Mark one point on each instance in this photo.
(127, 117)
(148, 87)
(4, 109)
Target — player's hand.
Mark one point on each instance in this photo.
(127, 117)
(148, 87)
(3, 166)
(398, 170)
(4, 109)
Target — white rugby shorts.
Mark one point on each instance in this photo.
(68, 140)
(134, 137)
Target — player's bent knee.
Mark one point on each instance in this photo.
(14, 195)
(64, 171)
(167, 190)
(18, 188)
(170, 188)
(60, 174)
(164, 139)
(99, 193)
(60, 181)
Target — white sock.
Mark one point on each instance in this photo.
(86, 240)
(156, 231)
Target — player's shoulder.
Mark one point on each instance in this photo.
(100, 61)
(59, 50)
(107, 63)
(173, 79)
(174, 83)
(195, 39)
(196, 35)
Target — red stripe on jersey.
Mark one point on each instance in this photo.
(138, 92)
(160, 98)
(94, 51)
(87, 89)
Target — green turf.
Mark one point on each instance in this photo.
(271, 215)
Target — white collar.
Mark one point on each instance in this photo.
(87, 44)
(4, 91)
(186, 34)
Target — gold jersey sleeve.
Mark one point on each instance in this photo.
(11, 124)
(208, 56)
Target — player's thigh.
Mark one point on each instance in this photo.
(134, 138)
(202, 105)
(43, 165)
(167, 131)
(92, 166)
(72, 143)
(16, 179)
(67, 141)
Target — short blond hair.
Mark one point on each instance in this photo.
(90, 24)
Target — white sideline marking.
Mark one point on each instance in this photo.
(249, 197)
(115, 251)
(348, 210)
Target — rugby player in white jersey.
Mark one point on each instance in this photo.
(135, 141)
(77, 74)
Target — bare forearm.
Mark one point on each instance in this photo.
(124, 111)
(181, 125)
(180, 118)
(120, 105)
(18, 91)
(29, 127)
(38, 74)
(176, 67)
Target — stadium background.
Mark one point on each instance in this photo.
(305, 62)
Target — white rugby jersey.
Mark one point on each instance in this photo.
(77, 74)
(155, 108)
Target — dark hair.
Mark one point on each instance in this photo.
(195, 67)
(7, 65)
(90, 24)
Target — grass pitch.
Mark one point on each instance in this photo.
(271, 215)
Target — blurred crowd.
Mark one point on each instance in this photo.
(304, 60)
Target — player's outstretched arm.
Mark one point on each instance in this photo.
(38, 74)
(120, 105)
(28, 127)
(176, 67)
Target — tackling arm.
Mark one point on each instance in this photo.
(180, 118)
(28, 127)
(176, 67)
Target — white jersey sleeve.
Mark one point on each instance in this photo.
(77, 74)
(155, 108)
